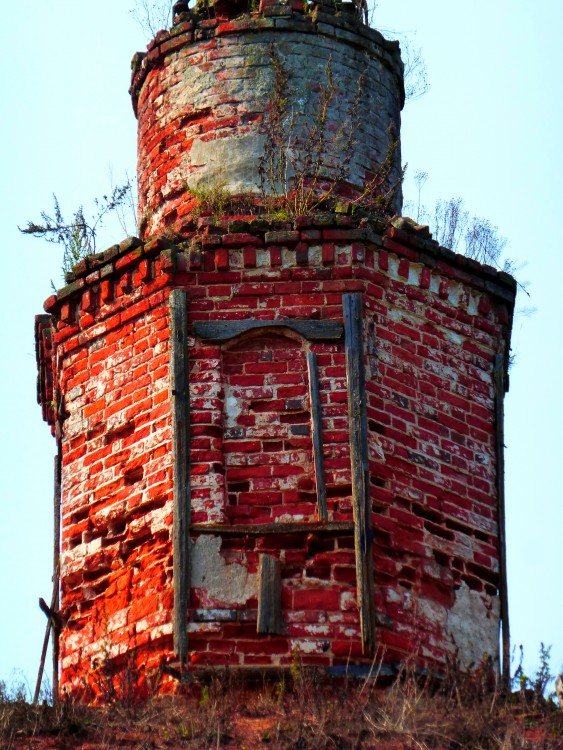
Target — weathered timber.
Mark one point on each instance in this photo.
(357, 418)
(179, 387)
(223, 330)
(500, 389)
(269, 595)
(270, 529)
(317, 429)
(57, 494)
(53, 618)
(52, 623)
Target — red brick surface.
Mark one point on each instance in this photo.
(429, 343)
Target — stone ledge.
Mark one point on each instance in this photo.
(409, 241)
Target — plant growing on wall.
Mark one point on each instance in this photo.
(305, 161)
(152, 15)
(78, 236)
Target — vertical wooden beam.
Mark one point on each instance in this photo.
(361, 501)
(56, 564)
(179, 396)
(316, 419)
(500, 389)
(269, 595)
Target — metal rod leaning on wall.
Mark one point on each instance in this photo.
(317, 427)
(361, 501)
(179, 396)
(500, 390)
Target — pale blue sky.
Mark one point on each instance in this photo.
(488, 130)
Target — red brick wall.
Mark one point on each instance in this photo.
(433, 323)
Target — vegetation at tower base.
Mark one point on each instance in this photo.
(298, 709)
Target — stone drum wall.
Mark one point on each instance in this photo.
(202, 91)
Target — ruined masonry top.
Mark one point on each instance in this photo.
(204, 94)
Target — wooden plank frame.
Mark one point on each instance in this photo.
(180, 407)
(317, 430)
(275, 529)
(312, 330)
(269, 596)
(500, 390)
(361, 501)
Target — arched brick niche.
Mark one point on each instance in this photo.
(268, 447)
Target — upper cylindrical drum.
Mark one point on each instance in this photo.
(272, 102)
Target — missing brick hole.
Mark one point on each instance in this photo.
(375, 427)
(428, 513)
(439, 531)
(124, 430)
(339, 490)
(117, 527)
(377, 481)
(95, 432)
(94, 590)
(144, 508)
(75, 541)
(482, 537)
(131, 476)
(441, 558)
(89, 576)
(475, 584)
(79, 515)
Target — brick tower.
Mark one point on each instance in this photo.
(276, 435)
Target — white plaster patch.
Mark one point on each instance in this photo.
(306, 647)
(233, 407)
(226, 584)
(231, 161)
(473, 624)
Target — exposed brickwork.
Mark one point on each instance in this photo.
(433, 322)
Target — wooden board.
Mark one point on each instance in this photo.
(317, 430)
(223, 330)
(361, 501)
(269, 595)
(499, 382)
(179, 397)
(271, 529)
(56, 564)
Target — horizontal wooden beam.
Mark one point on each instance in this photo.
(270, 529)
(223, 330)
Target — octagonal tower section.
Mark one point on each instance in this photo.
(274, 479)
